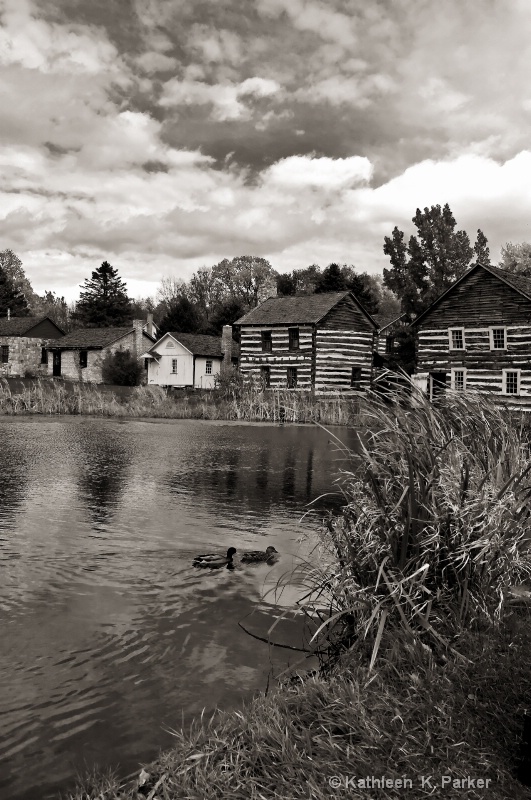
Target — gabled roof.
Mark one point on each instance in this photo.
(520, 283)
(385, 320)
(20, 326)
(93, 337)
(198, 344)
(297, 310)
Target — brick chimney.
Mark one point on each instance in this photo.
(138, 325)
(149, 326)
(226, 347)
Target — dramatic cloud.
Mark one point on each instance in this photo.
(164, 135)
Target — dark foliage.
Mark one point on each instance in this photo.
(103, 300)
(121, 368)
(182, 316)
(11, 297)
(225, 313)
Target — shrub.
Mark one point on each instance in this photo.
(121, 368)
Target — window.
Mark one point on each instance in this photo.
(146, 362)
(174, 366)
(457, 338)
(5, 353)
(293, 334)
(267, 344)
(265, 374)
(292, 377)
(44, 355)
(498, 338)
(83, 356)
(208, 368)
(389, 344)
(511, 381)
(458, 380)
(355, 378)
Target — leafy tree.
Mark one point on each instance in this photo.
(103, 300)
(56, 308)
(182, 316)
(121, 368)
(431, 261)
(248, 279)
(516, 258)
(11, 297)
(14, 270)
(300, 281)
(481, 248)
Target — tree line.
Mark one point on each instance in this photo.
(421, 268)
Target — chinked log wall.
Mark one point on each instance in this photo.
(252, 357)
(480, 302)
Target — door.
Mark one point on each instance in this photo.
(57, 363)
(437, 384)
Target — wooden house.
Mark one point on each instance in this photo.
(477, 337)
(388, 328)
(79, 355)
(318, 342)
(23, 345)
(182, 360)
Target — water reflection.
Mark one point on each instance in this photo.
(108, 640)
(104, 461)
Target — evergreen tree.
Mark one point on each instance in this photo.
(103, 300)
(12, 265)
(11, 297)
(182, 316)
(331, 280)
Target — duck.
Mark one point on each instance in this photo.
(214, 560)
(259, 555)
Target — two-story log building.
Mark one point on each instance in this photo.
(318, 342)
(477, 337)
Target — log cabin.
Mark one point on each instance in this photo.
(319, 342)
(477, 336)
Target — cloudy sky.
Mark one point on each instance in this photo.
(165, 135)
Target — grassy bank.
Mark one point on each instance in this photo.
(423, 640)
(231, 401)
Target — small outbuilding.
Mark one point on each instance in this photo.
(79, 355)
(182, 360)
(23, 345)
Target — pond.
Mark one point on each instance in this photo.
(110, 638)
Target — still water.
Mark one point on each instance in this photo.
(109, 638)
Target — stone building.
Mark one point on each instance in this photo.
(23, 345)
(80, 354)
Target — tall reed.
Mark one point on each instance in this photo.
(435, 528)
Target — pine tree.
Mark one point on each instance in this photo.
(331, 280)
(103, 300)
(11, 297)
(182, 316)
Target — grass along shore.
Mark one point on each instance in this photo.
(423, 641)
(230, 401)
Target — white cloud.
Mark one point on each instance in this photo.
(298, 172)
(227, 100)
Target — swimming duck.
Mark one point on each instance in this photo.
(259, 555)
(214, 560)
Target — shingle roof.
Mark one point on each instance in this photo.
(291, 310)
(518, 282)
(199, 344)
(92, 337)
(18, 326)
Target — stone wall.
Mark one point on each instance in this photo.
(70, 369)
(24, 357)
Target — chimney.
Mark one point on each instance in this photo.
(9, 313)
(138, 326)
(149, 326)
(226, 347)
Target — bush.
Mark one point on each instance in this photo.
(121, 368)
